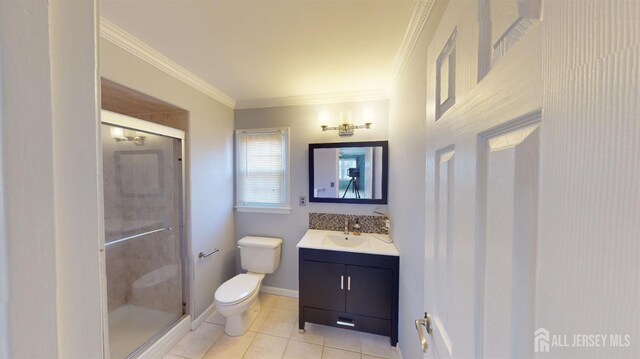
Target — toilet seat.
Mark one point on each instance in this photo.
(237, 289)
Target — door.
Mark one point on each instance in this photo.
(529, 180)
(324, 285)
(144, 245)
(369, 291)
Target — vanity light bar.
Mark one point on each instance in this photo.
(346, 129)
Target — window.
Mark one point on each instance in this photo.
(262, 170)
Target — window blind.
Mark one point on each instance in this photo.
(262, 168)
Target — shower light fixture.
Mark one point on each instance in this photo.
(346, 127)
(120, 134)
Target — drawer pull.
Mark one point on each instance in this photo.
(348, 282)
(346, 324)
(341, 282)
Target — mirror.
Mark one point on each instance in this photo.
(348, 172)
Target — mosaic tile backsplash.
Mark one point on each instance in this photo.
(335, 222)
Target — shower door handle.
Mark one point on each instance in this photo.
(138, 236)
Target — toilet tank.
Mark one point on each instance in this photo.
(260, 254)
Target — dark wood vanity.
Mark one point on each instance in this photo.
(356, 291)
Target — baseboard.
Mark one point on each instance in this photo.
(161, 347)
(280, 291)
(202, 317)
(399, 355)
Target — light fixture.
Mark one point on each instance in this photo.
(120, 134)
(346, 127)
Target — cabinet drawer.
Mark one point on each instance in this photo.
(360, 323)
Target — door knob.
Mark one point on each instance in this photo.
(424, 322)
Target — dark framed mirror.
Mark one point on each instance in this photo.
(349, 172)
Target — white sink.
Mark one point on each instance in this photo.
(338, 241)
(347, 241)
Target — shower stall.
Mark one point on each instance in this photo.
(144, 244)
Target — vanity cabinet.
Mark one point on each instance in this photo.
(349, 290)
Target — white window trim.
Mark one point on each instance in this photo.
(286, 208)
(276, 210)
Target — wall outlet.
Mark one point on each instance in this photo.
(303, 201)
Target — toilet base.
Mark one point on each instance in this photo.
(238, 324)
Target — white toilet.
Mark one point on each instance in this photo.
(237, 298)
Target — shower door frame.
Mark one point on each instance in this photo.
(132, 123)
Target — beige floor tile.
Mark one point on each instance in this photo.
(230, 347)
(367, 356)
(313, 333)
(300, 350)
(195, 344)
(268, 300)
(216, 318)
(333, 353)
(377, 345)
(287, 303)
(266, 347)
(280, 323)
(172, 356)
(342, 339)
(257, 323)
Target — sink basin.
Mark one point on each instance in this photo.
(346, 241)
(337, 241)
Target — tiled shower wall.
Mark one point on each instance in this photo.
(144, 271)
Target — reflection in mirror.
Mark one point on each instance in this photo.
(348, 172)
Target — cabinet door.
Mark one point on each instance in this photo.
(369, 291)
(322, 285)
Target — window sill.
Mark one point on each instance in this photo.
(279, 210)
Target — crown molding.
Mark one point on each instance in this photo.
(127, 42)
(337, 97)
(419, 16)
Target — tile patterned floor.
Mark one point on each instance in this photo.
(274, 334)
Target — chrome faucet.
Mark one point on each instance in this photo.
(346, 226)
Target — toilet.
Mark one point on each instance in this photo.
(237, 299)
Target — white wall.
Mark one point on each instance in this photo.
(305, 129)
(325, 172)
(4, 265)
(28, 182)
(407, 135)
(50, 183)
(77, 174)
(209, 165)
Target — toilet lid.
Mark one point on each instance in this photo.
(237, 289)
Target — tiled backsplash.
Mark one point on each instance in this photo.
(335, 222)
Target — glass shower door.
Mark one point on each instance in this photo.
(143, 221)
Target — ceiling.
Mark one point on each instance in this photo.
(266, 49)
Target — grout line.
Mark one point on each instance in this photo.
(286, 346)
(180, 356)
(249, 346)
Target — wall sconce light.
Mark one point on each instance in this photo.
(121, 134)
(346, 127)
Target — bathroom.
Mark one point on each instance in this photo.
(222, 259)
(502, 136)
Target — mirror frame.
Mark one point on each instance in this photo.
(385, 171)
